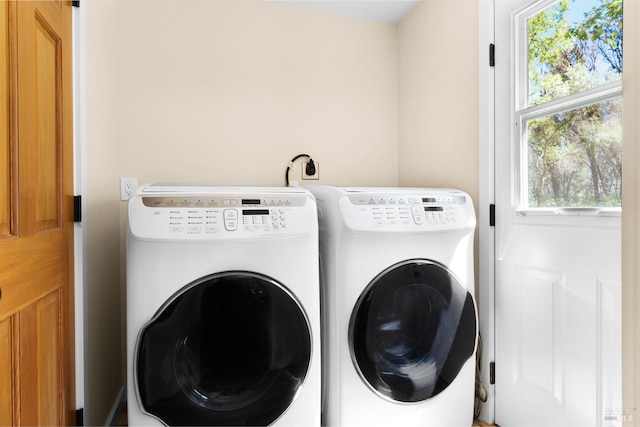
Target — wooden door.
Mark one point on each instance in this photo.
(37, 385)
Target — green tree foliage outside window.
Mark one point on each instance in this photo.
(574, 155)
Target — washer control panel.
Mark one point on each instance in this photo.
(219, 216)
(398, 212)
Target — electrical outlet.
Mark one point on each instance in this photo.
(315, 175)
(127, 188)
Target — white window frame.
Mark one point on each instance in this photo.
(522, 112)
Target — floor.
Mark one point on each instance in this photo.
(122, 419)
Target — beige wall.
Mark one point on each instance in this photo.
(438, 96)
(103, 298)
(230, 91)
(221, 92)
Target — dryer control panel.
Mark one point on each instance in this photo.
(408, 212)
(202, 217)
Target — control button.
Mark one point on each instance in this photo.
(212, 229)
(195, 230)
(416, 211)
(175, 229)
(231, 219)
(230, 202)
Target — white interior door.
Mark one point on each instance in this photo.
(557, 267)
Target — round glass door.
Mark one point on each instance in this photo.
(412, 330)
(229, 349)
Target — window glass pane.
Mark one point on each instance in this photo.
(573, 45)
(575, 157)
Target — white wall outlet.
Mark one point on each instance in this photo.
(127, 188)
(316, 175)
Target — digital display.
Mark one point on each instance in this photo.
(433, 209)
(255, 212)
(250, 201)
(428, 200)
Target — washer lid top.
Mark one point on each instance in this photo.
(208, 213)
(162, 188)
(394, 210)
(412, 330)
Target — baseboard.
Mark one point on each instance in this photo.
(118, 406)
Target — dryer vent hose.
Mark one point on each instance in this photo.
(481, 392)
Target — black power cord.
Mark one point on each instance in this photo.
(310, 168)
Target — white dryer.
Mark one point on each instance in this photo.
(399, 313)
(223, 310)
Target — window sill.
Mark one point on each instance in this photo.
(590, 212)
(571, 217)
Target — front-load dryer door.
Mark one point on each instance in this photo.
(229, 349)
(412, 330)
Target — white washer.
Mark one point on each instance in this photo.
(399, 314)
(223, 310)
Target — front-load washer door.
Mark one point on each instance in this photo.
(412, 330)
(229, 349)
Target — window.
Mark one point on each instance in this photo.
(569, 105)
